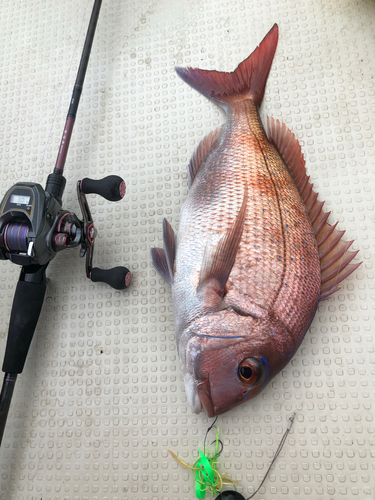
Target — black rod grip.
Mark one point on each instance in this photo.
(5, 400)
(27, 304)
(118, 277)
(112, 188)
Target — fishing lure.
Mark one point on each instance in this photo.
(205, 468)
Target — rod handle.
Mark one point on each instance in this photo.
(112, 187)
(118, 277)
(5, 400)
(27, 304)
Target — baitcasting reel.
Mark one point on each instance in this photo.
(34, 226)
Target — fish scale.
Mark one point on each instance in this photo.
(253, 254)
(264, 260)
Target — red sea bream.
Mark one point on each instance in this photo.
(254, 254)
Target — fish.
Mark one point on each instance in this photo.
(254, 254)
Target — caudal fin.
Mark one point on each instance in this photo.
(248, 81)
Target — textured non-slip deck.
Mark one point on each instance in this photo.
(102, 399)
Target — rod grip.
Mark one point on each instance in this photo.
(27, 304)
(112, 188)
(118, 277)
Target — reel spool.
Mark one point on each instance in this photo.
(15, 236)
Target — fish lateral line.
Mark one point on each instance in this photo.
(226, 337)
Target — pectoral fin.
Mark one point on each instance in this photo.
(218, 261)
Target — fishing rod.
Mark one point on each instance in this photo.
(34, 227)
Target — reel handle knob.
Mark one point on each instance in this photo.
(112, 187)
(118, 277)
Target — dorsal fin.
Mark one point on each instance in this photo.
(333, 253)
(204, 148)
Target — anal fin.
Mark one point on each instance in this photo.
(203, 150)
(334, 255)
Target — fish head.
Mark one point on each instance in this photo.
(229, 359)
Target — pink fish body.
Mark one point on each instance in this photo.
(254, 254)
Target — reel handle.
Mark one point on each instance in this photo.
(118, 277)
(112, 187)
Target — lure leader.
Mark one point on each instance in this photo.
(34, 227)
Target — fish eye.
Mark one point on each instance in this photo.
(250, 371)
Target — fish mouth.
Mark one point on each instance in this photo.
(203, 389)
(192, 394)
(222, 396)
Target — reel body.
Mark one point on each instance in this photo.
(34, 227)
(28, 215)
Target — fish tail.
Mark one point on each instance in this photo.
(247, 81)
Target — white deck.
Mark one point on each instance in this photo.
(101, 398)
